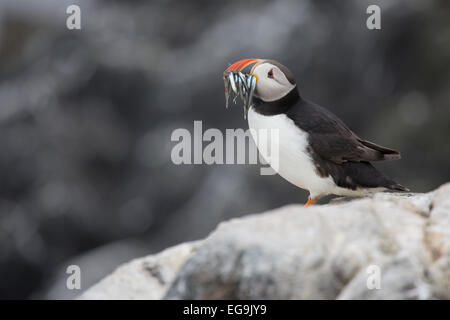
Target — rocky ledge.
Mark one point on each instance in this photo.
(388, 246)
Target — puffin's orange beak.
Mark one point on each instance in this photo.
(240, 65)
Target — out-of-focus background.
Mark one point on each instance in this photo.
(86, 118)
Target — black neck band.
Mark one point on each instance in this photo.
(278, 106)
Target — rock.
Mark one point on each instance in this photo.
(144, 278)
(94, 265)
(332, 251)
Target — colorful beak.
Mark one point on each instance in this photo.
(241, 65)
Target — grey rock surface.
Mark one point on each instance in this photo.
(332, 251)
(144, 278)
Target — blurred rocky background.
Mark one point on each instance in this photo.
(86, 118)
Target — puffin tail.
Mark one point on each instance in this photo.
(385, 153)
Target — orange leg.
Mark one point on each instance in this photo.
(310, 201)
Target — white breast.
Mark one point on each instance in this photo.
(294, 163)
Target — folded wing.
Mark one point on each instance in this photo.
(332, 140)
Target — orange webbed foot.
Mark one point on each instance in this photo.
(310, 201)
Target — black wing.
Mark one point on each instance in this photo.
(332, 140)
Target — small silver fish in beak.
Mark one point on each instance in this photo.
(252, 86)
(242, 84)
(227, 90)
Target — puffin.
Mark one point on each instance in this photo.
(317, 152)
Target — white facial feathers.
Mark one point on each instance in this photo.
(272, 83)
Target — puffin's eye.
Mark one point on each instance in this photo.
(270, 74)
